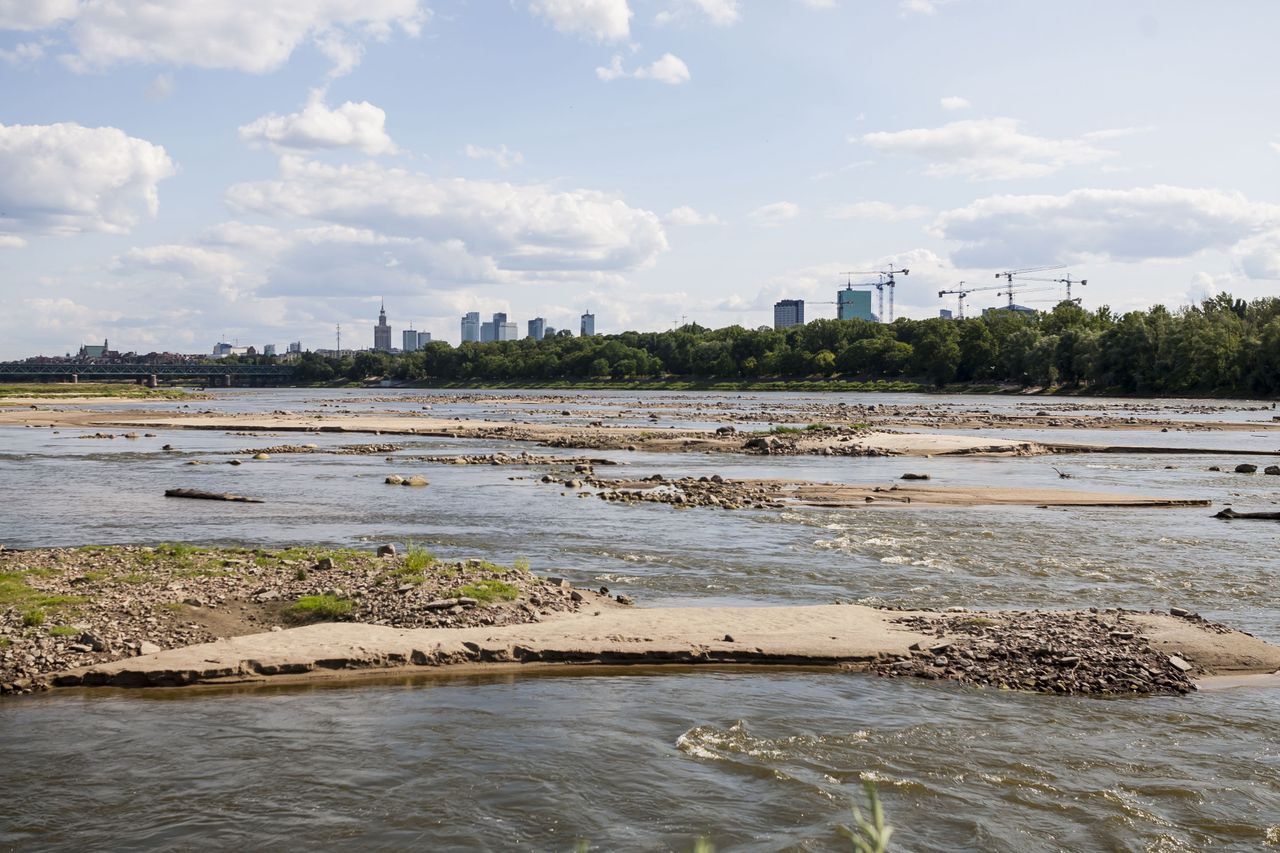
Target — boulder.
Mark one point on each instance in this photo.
(910, 476)
(388, 550)
(395, 480)
(261, 456)
(1273, 470)
(1246, 468)
(415, 480)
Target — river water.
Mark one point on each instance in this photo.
(651, 760)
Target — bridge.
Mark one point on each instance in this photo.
(212, 374)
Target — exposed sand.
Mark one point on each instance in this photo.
(825, 635)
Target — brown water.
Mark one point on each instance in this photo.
(644, 760)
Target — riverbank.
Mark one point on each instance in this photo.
(180, 615)
(76, 392)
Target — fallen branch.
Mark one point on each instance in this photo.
(1230, 513)
(209, 496)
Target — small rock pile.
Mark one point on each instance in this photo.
(714, 491)
(525, 458)
(1092, 654)
(343, 450)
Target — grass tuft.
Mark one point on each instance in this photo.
(32, 617)
(489, 591)
(321, 607)
(63, 631)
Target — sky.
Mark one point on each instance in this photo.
(174, 173)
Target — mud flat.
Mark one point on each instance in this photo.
(1092, 653)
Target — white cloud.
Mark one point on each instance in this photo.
(1117, 132)
(985, 149)
(721, 13)
(686, 215)
(245, 35)
(1145, 223)
(360, 126)
(921, 7)
(161, 88)
(667, 69)
(186, 261)
(502, 157)
(818, 4)
(1259, 257)
(881, 210)
(598, 20)
(65, 179)
(35, 14)
(24, 53)
(775, 214)
(1275, 146)
(11, 241)
(527, 227)
(952, 103)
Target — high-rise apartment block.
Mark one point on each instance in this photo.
(537, 328)
(788, 313)
(588, 325)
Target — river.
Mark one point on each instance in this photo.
(644, 760)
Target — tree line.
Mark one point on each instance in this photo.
(1221, 346)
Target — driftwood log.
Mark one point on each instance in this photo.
(209, 496)
(1230, 513)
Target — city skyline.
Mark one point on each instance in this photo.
(267, 174)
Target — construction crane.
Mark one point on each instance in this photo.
(1067, 280)
(1009, 291)
(1008, 276)
(961, 292)
(888, 281)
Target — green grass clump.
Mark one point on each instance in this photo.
(90, 389)
(63, 631)
(32, 617)
(489, 591)
(870, 833)
(321, 607)
(418, 559)
(134, 577)
(521, 565)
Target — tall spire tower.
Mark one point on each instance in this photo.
(382, 331)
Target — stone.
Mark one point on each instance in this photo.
(1179, 611)
(146, 648)
(910, 476)
(1246, 468)
(624, 599)
(416, 480)
(1180, 664)
(233, 462)
(388, 550)
(1273, 470)
(394, 480)
(93, 641)
(575, 596)
(324, 564)
(261, 456)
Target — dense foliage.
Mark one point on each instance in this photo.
(1222, 346)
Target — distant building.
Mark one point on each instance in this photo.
(296, 346)
(853, 304)
(382, 332)
(269, 349)
(93, 350)
(549, 332)
(424, 338)
(471, 326)
(588, 324)
(222, 350)
(945, 314)
(788, 313)
(409, 341)
(499, 329)
(537, 328)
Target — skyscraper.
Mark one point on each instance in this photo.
(410, 340)
(424, 338)
(588, 324)
(382, 332)
(537, 328)
(853, 304)
(787, 313)
(471, 326)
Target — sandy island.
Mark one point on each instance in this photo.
(1141, 653)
